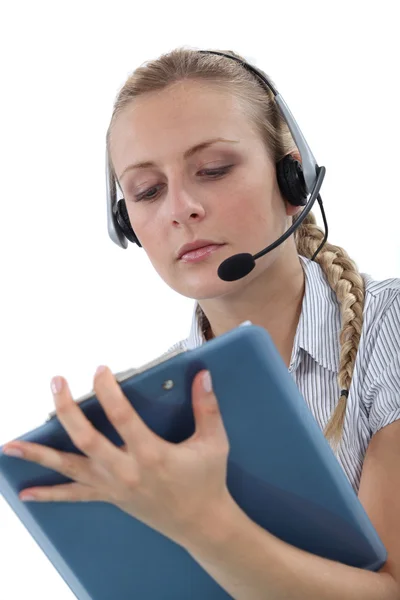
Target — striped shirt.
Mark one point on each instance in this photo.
(374, 395)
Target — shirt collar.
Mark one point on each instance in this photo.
(320, 321)
(319, 324)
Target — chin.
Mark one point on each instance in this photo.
(206, 287)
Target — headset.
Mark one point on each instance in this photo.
(296, 181)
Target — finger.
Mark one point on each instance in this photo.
(84, 435)
(70, 464)
(122, 415)
(68, 492)
(208, 419)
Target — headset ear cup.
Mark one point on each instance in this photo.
(291, 180)
(124, 222)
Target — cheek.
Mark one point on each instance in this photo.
(155, 247)
(248, 208)
(146, 227)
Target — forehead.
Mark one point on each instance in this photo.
(159, 123)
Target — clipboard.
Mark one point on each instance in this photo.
(281, 472)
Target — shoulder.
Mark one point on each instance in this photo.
(381, 291)
(381, 309)
(378, 356)
(379, 348)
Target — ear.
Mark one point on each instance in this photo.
(290, 209)
(296, 155)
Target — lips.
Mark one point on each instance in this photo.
(200, 254)
(196, 245)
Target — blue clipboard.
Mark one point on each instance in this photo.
(281, 471)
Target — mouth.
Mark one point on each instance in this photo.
(200, 253)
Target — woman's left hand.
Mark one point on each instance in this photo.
(173, 488)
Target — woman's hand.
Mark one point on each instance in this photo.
(173, 488)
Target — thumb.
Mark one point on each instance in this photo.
(208, 418)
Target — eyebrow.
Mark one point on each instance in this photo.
(187, 154)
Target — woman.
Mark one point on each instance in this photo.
(338, 332)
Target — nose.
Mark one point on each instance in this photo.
(183, 206)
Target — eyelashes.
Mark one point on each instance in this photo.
(211, 173)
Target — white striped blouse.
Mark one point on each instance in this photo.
(374, 395)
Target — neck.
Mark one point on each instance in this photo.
(272, 300)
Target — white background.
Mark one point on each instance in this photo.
(70, 298)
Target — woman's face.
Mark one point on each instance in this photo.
(173, 201)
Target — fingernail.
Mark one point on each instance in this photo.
(27, 497)
(207, 382)
(100, 369)
(56, 385)
(13, 452)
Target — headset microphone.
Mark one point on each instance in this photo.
(296, 181)
(239, 265)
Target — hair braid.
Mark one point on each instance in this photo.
(347, 283)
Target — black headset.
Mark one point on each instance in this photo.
(296, 181)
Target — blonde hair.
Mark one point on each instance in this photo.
(341, 272)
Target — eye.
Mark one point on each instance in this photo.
(211, 173)
(220, 171)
